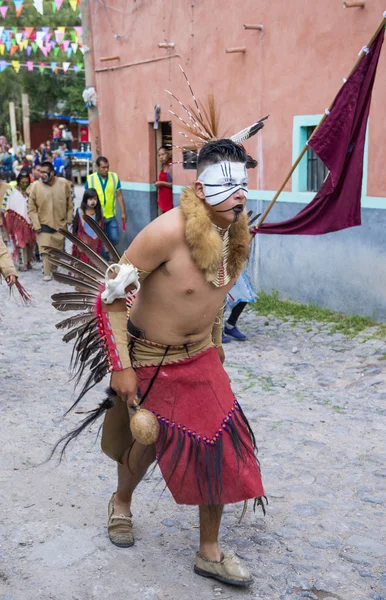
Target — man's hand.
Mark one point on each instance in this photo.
(11, 280)
(125, 384)
(221, 353)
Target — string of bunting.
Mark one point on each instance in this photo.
(30, 40)
(54, 67)
(38, 4)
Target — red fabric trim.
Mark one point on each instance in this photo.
(107, 336)
(19, 230)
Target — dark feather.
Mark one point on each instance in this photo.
(79, 280)
(114, 254)
(75, 320)
(73, 297)
(66, 260)
(70, 335)
(97, 260)
(66, 305)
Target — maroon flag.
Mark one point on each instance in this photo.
(339, 142)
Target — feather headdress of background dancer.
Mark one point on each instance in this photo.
(92, 357)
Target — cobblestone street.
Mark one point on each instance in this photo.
(317, 404)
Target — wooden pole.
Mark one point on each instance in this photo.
(232, 50)
(89, 67)
(304, 150)
(12, 118)
(256, 27)
(354, 4)
(26, 127)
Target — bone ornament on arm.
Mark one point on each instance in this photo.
(126, 275)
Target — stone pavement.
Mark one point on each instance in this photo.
(317, 406)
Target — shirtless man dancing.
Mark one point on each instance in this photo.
(166, 354)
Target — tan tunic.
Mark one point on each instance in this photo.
(50, 205)
(7, 267)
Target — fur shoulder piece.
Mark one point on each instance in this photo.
(205, 242)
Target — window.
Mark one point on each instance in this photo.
(189, 159)
(316, 169)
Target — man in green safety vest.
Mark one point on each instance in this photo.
(108, 187)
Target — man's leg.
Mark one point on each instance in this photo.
(43, 240)
(130, 474)
(210, 562)
(230, 327)
(210, 519)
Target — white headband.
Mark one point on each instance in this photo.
(223, 179)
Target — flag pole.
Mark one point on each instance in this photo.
(362, 54)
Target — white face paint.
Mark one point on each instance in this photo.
(223, 179)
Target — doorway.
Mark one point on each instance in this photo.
(163, 137)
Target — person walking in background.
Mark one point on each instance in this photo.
(164, 184)
(90, 206)
(50, 207)
(18, 221)
(58, 164)
(237, 299)
(108, 188)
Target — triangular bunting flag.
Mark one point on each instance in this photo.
(74, 4)
(8, 45)
(58, 3)
(41, 67)
(38, 4)
(65, 45)
(14, 49)
(56, 50)
(74, 48)
(28, 31)
(66, 66)
(73, 36)
(34, 46)
(82, 50)
(61, 29)
(30, 65)
(19, 37)
(18, 3)
(16, 65)
(80, 66)
(3, 12)
(18, 11)
(2, 48)
(69, 52)
(44, 50)
(29, 50)
(3, 65)
(76, 68)
(59, 36)
(53, 67)
(1, 31)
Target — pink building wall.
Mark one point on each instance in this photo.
(294, 67)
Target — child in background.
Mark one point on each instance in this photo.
(90, 206)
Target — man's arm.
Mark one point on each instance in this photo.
(70, 205)
(151, 248)
(33, 209)
(217, 333)
(121, 204)
(7, 268)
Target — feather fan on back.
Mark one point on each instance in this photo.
(88, 355)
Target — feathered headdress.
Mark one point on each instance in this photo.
(200, 124)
